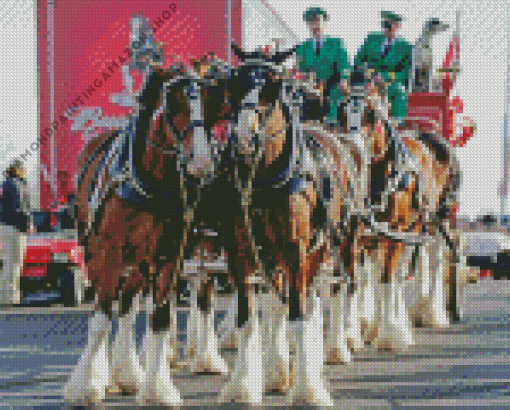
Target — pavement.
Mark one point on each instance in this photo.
(465, 365)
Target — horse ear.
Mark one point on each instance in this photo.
(238, 51)
(281, 56)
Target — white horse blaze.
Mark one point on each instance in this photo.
(92, 375)
(202, 159)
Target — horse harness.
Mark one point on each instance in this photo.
(117, 170)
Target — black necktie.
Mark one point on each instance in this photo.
(386, 49)
(318, 48)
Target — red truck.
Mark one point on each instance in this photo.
(53, 270)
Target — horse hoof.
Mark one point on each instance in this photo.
(210, 365)
(159, 393)
(355, 344)
(313, 394)
(230, 342)
(369, 334)
(338, 357)
(239, 392)
(128, 375)
(80, 397)
(278, 378)
(390, 344)
(425, 315)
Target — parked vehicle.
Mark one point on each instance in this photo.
(489, 251)
(53, 270)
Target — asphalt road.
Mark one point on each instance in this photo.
(466, 365)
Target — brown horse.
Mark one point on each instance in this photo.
(287, 221)
(136, 196)
(412, 211)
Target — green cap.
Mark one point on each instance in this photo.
(313, 13)
(390, 16)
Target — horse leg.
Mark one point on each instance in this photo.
(246, 384)
(194, 330)
(127, 372)
(338, 352)
(305, 312)
(149, 307)
(368, 299)
(275, 329)
(91, 376)
(433, 305)
(159, 388)
(395, 331)
(229, 332)
(207, 357)
(353, 320)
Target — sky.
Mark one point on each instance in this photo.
(18, 86)
(481, 84)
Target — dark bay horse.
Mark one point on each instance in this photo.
(136, 196)
(286, 220)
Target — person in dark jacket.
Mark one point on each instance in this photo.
(15, 222)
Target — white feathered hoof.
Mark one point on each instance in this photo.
(127, 372)
(353, 331)
(207, 359)
(424, 314)
(395, 331)
(231, 340)
(246, 384)
(158, 389)
(89, 380)
(171, 351)
(276, 357)
(338, 356)
(309, 388)
(277, 378)
(369, 332)
(337, 350)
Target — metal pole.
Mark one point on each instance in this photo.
(504, 185)
(228, 5)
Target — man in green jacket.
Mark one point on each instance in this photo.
(326, 59)
(390, 57)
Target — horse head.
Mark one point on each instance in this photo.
(255, 84)
(177, 123)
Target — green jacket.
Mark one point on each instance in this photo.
(397, 61)
(332, 51)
